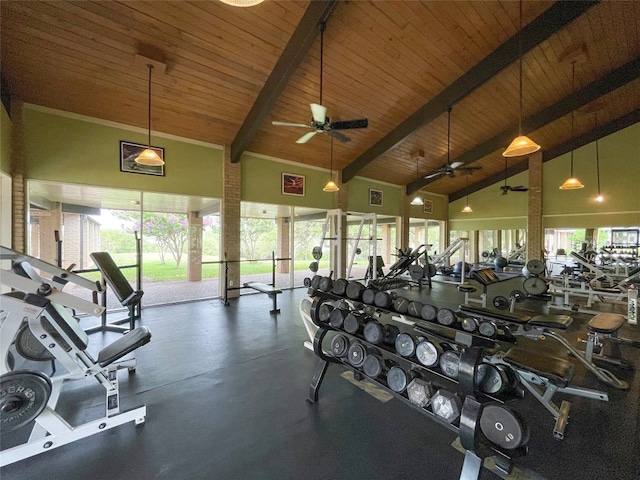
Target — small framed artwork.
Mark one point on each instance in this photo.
(128, 153)
(375, 197)
(293, 184)
(427, 206)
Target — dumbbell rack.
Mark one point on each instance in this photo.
(476, 446)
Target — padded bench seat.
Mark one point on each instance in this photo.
(263, 287)
(556, 370)
(123, 345)
(606, 322)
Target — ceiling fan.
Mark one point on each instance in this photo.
(508, 188)
(320, 123)
(448, 168)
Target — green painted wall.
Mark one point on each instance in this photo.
(6, 127)
(70, 150)
(392, 197)
(440, 207)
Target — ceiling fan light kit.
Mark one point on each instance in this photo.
(521, 145)
(148, 156)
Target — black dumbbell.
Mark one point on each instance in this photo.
(326, 284)
(340, 346)
(337, 316)
(340, 287)
(405, 345)
(415, 309)
(355, 290)
(324, 312)
(369, 296)
(398, 378)
(375, 366)
(357, 354)
(385, 299)
(429, 312)
(450, 363)
(400, 304)
(355, 321)
(376, 333)
(446, 317)
(428, 353)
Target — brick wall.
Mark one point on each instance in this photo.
(230, 220)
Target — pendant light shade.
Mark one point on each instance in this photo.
(331, 185)
(467, 209)
(572, 183)
(242, 3)
(521, 145)
(417, 200)
(149, 156)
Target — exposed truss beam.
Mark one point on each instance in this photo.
(292, 55)
(553, 19)
(600, 87)
(589, 137)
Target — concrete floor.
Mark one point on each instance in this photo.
(225, 389)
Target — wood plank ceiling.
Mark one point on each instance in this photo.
(383, 60)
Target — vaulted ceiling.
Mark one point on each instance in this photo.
(231, 71)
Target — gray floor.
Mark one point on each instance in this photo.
(225, 389)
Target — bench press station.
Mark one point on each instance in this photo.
(28, 395)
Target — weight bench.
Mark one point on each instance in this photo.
(29, 395)
(605, 326)
(273, 292)
(485, 277)
(126, 295)
(539, 327)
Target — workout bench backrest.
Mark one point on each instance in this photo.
(113, 276)
(486, 276)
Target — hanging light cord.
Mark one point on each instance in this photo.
(331, 160)
(597, 156)
(573, 80)
(448, 134)
(520, 82)
(149, 139)
(321, 27)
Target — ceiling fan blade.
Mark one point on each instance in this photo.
(456, 164)
(347, 124)
(339, 136)
(319, 113)
(306, 137)
(519, 188)
(289, 124)
(434, 174)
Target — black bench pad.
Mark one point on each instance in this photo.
(560, 322)
(606, 322)
(486, 276)
(466, 288)
(496, 314)
(125, 344)
(263, 287)
(556, 370)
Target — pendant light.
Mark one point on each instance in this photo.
(572, 183)
(331, 185)
(521, 145)
(467, 208)
(417, 200)
(242, 3)
(149, 156)
(599, 198)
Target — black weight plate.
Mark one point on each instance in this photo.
(446, 317)
(405, 345)
(324, 312)
(487, 329)
(369, 296)
(469, 324)
(315, 281)
(428, 353)
(373, 332)
(450, 363)
(23, 396)
(397, 379)
(313, 266)
(518, 295)
(326, 284)
(340, 346)
(383, 300)
(340, 286)
(317, 253)
(535, 267)
(306, 282)
(416, 272)
(357, 355)
(354, 290)
(373, 366)
(337, 316)
(503, 426)
(414, 309)
(29, 347)
(400, 305)
(429, 312)
(501, 303)
(489, 379)
(535, 286)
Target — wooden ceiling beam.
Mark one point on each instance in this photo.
(553, 19)
(589, 137)
(292, 55)
(600, 87)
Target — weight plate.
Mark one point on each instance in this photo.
(315, 281)
(324, 312)
(400, 304)
(414, 309)
(429, 312)
(518, 295)
(340, 346)
(23, 396)
(390, 333)
(357, 354)
(535, 286)
(29, 347)
(383, 300)
(337, 316)
(306, 282)
(397, 379)
(326, 284)
(501, 303)
(405, 345)
(487, 329)
(432, 270)
(373, 366)
(535, 267)
(503, 426)
(317, 253)
(340, 286)
(369, 296)
(446, 317)
(450, 363)
(489, 379)
(354, 290)
(373, 332)
(416, 272)
(428, 353)
(469, 324)
(313, 266)
(11, 361)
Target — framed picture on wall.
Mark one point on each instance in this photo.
(128, 153)
(375, 197)
(293, 184)
(427, 206)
